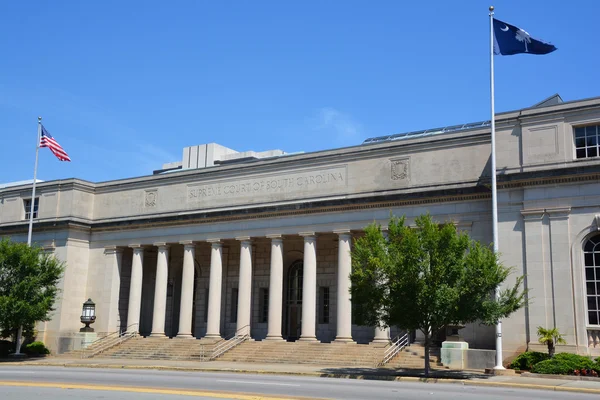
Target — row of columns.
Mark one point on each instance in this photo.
(309, 288)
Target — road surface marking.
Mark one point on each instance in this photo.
(258, 383)
(15, 372)
(180, 392)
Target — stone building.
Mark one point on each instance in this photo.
(225, 241)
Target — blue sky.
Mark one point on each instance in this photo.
(125, 85)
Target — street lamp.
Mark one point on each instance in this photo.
(88, 315)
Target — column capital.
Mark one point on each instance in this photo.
(161, 244)
(215, 244)
(187, 242)
(343, 233)
(307, 235)
(243, 239)
(214, 240)
(274, 236)
(113, 250)
(136, 246)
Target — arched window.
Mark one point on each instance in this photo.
(591, 253)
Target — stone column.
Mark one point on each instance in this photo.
(213, 325)
(160, 290)
(309, 288)
(187, 291)
(244, 286)
(135, 289)
(344, 304)
(112, 284)
(382, 335)
(275, 288)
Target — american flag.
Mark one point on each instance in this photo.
(48, 141)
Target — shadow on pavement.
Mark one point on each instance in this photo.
(392, 374)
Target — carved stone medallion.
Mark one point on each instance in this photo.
(150, 200)
(400, 169)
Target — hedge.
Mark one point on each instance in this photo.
(527, 360)
(565, 364)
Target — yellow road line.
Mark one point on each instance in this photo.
(180, 392)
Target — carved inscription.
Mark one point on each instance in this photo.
(285, 183)
(400, 169)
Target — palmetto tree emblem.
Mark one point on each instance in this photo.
(524, 37)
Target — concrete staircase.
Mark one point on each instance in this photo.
(331, 354)
(413, 357)
(152, 348)
(269, 352)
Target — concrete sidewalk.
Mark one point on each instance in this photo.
(467, 378)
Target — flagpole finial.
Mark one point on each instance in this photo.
(491, 8)
(39, 119)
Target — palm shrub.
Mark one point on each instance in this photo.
(550, 337)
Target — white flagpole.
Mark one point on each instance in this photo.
(494, 189)
(31, 209)
(37, 150)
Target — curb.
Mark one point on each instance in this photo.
(464, 382)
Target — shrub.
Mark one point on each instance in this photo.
(553, 366)
(35, 348)
(6, 347)
(565, 364)
(526, 361)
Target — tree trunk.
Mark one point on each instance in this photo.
(427, 346)
(18, 341)
(551, 348)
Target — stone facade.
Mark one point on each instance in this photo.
(209, 251)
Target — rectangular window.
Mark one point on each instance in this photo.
(27, 207)
(323, 305)
(586, 141)
(234, 305)
(263, 305)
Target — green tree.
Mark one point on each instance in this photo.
(550, 337)
(428, 277)
(28, 286)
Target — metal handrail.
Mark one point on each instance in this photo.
(399, 342)
(110, 340)
(231, 342)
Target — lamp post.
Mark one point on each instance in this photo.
(88, 315)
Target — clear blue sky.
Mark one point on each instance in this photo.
(125, 85)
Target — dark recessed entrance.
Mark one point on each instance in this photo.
(293, 302)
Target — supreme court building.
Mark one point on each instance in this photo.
(224, 241)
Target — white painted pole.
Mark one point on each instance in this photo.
(494, 189)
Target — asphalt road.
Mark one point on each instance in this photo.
(18, 383)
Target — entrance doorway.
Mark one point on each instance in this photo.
(293, 301)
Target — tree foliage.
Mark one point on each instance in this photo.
(427, 277)
(28, 285)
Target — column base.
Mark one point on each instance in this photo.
(343, 339)
(381, 340)
(274, 337)
(308, 339)
(158, 334)
(212, 335)
(184, 336)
